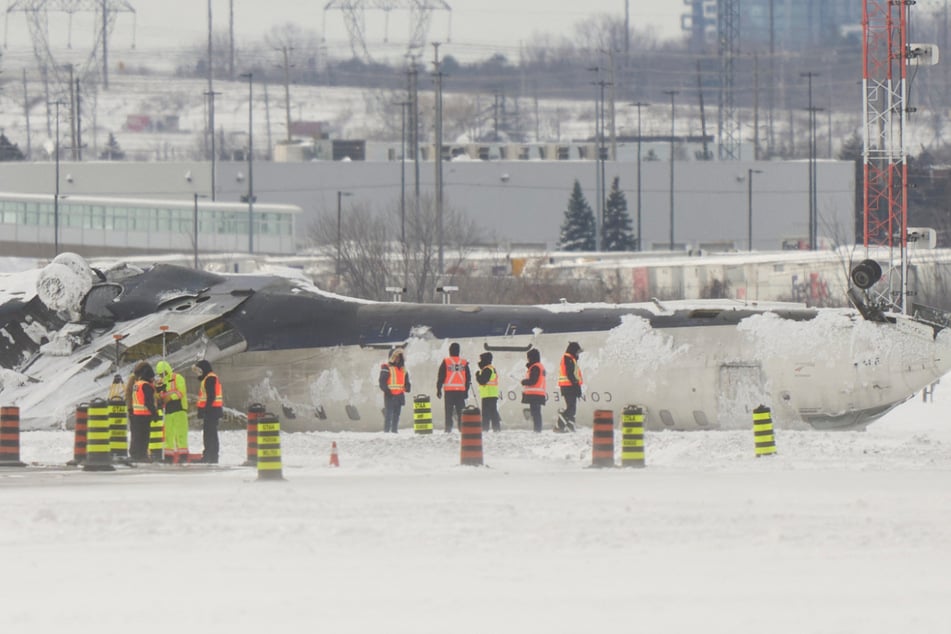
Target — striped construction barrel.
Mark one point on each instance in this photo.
(118, 429)
(269, 448)
(98, 438)
(255, 410)
(763, 436)
(422, 414)
(79, 434)
(10, 437)
(470, 428)
(157, 438)
(632, 436)
(602, 443)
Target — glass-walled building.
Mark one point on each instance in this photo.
(95, 225)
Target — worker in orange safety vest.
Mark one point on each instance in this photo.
(394, 382)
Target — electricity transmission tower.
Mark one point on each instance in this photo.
(728, 39)
(354, 15)
(37, 14)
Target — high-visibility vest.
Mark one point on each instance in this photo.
(176, 402)
(218, 401)
(397, 383)
(455, 374)
(491, 388)
(539, 388)
(563, 379)
(138, 400)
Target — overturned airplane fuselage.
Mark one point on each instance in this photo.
(313, 358)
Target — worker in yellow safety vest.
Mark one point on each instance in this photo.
(172, 392)
(488, 379)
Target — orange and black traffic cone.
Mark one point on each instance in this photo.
(334, 460)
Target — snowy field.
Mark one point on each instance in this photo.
(839, 532)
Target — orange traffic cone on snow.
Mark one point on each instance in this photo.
(334, 460)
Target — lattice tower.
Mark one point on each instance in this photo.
(884, 63)
(354, 15)
(728, 44)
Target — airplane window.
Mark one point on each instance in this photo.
(666, 418)
(700, 418)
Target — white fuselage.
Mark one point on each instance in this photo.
(835, 371)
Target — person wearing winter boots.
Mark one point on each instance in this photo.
(534, 391)
(455, 378)
(394, 381)
(210, 406)
(488, 379)
(570, 384)
(142, 413)
(173, 396)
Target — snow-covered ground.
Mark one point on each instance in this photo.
(838, 532)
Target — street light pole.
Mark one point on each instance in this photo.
(250, 77)
(340, 196)
(56, 103)
(812, 158)
(639, 105)
(672, 93)
(749, 206)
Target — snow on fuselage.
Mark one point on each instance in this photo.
(690, 365)
(313, 358)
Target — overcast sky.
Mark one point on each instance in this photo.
(475, 27)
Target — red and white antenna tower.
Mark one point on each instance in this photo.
(884, 63)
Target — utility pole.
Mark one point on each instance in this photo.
(79, 123)
(211, 104)
(812, 158)
(703, 115)
(267, 117)
(72, 113)
(414, 130)
(287, 89)
(599, 156)
(105, 46)
(26, 114)
(437, 158)
(250, 77)
(672, 94)
(639, 105)
(231, 39)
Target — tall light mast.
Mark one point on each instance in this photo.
(884, 64)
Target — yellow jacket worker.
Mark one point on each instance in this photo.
(175, 402)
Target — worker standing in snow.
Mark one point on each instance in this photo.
(455, 378)
(394, 381)
(488, 379)
(569, 383)
(534, 391)
(142, 412)
(173, 397)
(210, 407)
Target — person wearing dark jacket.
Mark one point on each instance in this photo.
(210, 407)
(142, 413)
(569, 383)
(534, 392)
(488, 379)
(455, 378)
(394, 381)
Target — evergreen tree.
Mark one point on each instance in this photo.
(617, 235)
(578, 229)
(112, 152)
(9, 151)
